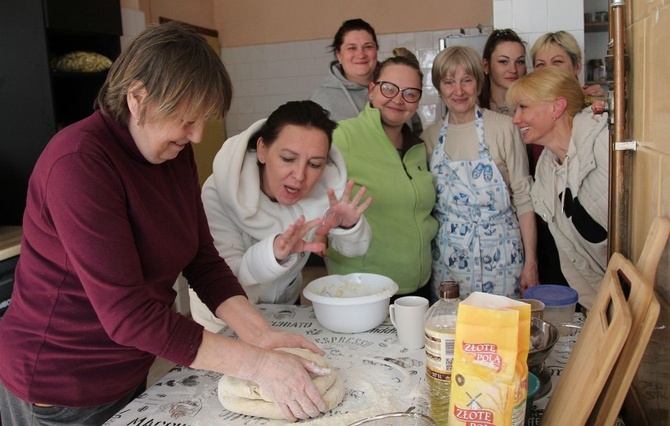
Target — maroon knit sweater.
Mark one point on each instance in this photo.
(105, 235)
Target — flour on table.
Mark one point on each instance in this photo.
(374, 387)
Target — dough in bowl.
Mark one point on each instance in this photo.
(245, 397)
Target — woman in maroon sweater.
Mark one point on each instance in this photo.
(113, 215)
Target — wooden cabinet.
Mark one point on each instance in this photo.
(34, 101)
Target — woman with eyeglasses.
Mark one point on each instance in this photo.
(344, 91)
(486, 236)
(383, 154)
(504, 61)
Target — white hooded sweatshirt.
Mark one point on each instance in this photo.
(244, 223)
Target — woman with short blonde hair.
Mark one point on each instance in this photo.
(547, 86)
(447, 61)
(562, 39)
(570, 191)
(486, 234)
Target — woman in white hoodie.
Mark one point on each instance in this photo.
(570, 192)
(274, 187)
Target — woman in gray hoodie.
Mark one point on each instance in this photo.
(344, 92)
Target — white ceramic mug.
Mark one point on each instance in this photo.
(407, 317)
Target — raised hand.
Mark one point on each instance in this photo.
(293, 239)
(345, 212)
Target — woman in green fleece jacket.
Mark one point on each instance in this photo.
(383, 154)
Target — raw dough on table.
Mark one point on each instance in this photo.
(245, 397)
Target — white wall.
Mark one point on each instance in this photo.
(133, 23)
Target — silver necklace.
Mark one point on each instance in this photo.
(503, 108)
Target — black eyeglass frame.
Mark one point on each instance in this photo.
(398, 89)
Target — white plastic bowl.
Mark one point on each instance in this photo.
(351, 303)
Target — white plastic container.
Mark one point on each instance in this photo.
(559, 302)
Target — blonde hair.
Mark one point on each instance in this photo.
(401, 56)
(449, 59)
(403, 51)
(563, 39)
(178, 69)
(548, 84)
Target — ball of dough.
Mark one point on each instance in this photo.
(245, 397)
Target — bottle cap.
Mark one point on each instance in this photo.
(449, 290)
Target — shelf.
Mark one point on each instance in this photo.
(595, 27)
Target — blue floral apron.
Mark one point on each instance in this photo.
(478, 242)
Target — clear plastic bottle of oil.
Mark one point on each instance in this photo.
(440, 329)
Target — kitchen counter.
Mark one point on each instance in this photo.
(380, 377)
(10, 241)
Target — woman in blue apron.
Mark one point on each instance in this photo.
(486, 239)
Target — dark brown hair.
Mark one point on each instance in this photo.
(495, 38)
(351, 25)
(297, 113)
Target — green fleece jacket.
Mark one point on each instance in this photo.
(403, 196)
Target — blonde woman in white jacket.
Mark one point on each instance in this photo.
(571, 178)
(274, 187)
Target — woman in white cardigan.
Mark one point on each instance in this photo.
(275, 187)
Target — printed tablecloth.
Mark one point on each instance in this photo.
(380, 377)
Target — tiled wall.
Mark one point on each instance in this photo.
(266, 76)
(647, 37)
(532, 18)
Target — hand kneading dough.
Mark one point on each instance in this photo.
(246, 397)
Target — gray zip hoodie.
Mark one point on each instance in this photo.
(345, 99)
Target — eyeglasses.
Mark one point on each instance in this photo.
(390, 90)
